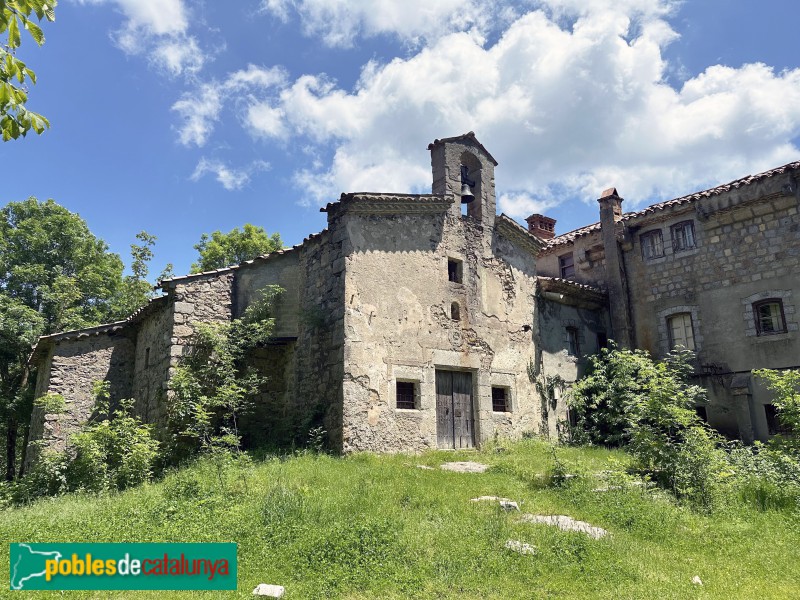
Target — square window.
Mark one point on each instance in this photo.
(683, 236)
(774, 425)
(652, 244)
(681, 332)
(769, 316)
(566, 265)
(701, 413)
(407, 395)
(500, 400)
(455, 270)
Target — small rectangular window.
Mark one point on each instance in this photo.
(573, 342)
(500, 399)
(455, 270)
(683, 236)
(774, 425)
(406, 395)
(146, 357)
(652, 244)
(602, 340)
(567, 265)
(701, 413)
(680, 330)
(769, 316)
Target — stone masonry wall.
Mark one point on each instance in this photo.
(200, 299)
(75, 365)
(589, 259)
(743, 254)
(152, 362)
(314, 393)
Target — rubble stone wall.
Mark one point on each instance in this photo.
(75, 365)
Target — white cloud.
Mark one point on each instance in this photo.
(200, 108)
(199, 111)
(339, 22)
(231, 178)
(158, 28)
(570, 100)
(255, 77)
(182, 55)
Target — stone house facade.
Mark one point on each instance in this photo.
(717, 271)
(415, 322)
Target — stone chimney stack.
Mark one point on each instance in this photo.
(610, 206)
(616, 276)
(542, 227)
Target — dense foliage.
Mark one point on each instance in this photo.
(214, 384)
(113, 451)
(786, 388)
(223, 249)
(627, 398)
(55, 275)
(15, 15)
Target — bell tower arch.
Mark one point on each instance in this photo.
(448, 156)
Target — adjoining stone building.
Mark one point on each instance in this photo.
(717, 271)
(408, 324)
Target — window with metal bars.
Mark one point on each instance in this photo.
(500, 400)
(406, 395)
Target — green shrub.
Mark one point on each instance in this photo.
(629, 398)
(766, 477)
(114, 453)
(786, 386)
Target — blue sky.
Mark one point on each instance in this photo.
(180, 117)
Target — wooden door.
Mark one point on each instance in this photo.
(455, 424)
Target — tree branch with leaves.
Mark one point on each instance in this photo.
(15, 119)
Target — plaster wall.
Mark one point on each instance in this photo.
(554, 359)
(399, 326)
(278, 269)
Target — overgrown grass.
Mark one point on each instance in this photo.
(368, 526)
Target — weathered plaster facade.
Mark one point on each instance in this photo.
(408, 325)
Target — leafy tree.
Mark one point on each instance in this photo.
(15, 119)
(136, 290)
(55, 275)
(223, 249)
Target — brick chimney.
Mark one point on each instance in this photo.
(542, 227)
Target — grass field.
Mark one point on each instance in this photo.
(368, 526)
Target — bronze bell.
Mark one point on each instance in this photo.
(466, 184)
(466, 194)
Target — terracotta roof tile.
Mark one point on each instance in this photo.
(569, 237)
